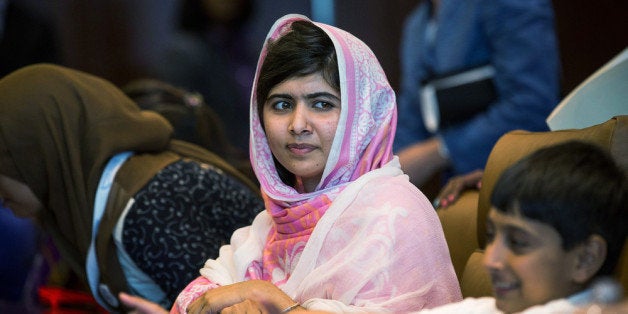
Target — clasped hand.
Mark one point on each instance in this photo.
(260, 295)
(254, 296)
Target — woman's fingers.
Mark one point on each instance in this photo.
(218, 299)
(247, 306)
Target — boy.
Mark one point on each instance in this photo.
(556, 224)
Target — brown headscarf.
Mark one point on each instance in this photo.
(58, 129)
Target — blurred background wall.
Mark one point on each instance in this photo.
(120, 39)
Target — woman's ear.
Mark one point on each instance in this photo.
(590, 258)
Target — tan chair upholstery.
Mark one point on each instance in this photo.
(464, 222)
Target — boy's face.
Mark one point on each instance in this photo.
(526, 262)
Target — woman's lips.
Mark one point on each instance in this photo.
(300, 149)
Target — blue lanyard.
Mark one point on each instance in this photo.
(102, 193)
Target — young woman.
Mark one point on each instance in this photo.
(343, 228)
(129, 208)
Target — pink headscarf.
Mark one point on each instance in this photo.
(363, 142)
(366, 127)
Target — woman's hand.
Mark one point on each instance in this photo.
(450, 193)
(140, 305)
(250, 306)
(235, 296)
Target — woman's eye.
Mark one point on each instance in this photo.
(281, 105)
(323, 105)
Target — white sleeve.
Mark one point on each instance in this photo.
(246, 246)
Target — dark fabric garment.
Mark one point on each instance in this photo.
(181, 218)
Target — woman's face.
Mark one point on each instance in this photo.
(18, 197)
(526, 262)
(300, 117)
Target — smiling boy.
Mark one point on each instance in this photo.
(557, 223)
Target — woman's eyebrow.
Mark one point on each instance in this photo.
(322, 94)
(307, 96)
(279, 96)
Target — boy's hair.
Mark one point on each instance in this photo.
(577, 188)
(305, 49)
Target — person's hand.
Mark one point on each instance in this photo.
(422, 160)
(258, 292)
(249, 306)
(140, 305)
(456, 185)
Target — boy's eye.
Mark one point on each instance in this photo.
(517, 242)
(490, 232)
(490, 236)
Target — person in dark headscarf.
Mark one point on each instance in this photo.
(129, 208)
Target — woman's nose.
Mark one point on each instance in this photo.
(299, 120)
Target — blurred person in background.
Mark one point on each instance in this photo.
(472, 71)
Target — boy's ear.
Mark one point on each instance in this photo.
(590, 258)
